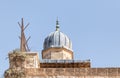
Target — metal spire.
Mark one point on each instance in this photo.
(57, 25)
(23, 42)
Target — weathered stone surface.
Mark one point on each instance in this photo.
(73, 77)
(101, 71)
(69, 71)
(112, 71)
(59, 71)
(78, 72)
(118, 69)
(33, 70)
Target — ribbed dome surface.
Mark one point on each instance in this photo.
(57, 39)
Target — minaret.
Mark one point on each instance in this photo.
(57, 46)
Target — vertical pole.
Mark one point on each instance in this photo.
(23, 42)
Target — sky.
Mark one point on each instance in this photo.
(92, 25)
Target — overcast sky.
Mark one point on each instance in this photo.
(92, 25)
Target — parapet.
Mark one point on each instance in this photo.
(65, 64)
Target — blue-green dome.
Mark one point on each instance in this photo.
(57, 39)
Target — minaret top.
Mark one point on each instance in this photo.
(57, 39)
(57, 25)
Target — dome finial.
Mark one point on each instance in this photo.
(57, 25)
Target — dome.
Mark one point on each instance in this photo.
(57, 39)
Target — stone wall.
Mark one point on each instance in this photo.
(26, 65)
(57, 54)
(73, 77)
(73, 73)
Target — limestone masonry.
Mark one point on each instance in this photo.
(57, 60)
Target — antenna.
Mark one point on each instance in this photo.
(23, 42)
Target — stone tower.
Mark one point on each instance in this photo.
(21, 59)
(57, 46)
